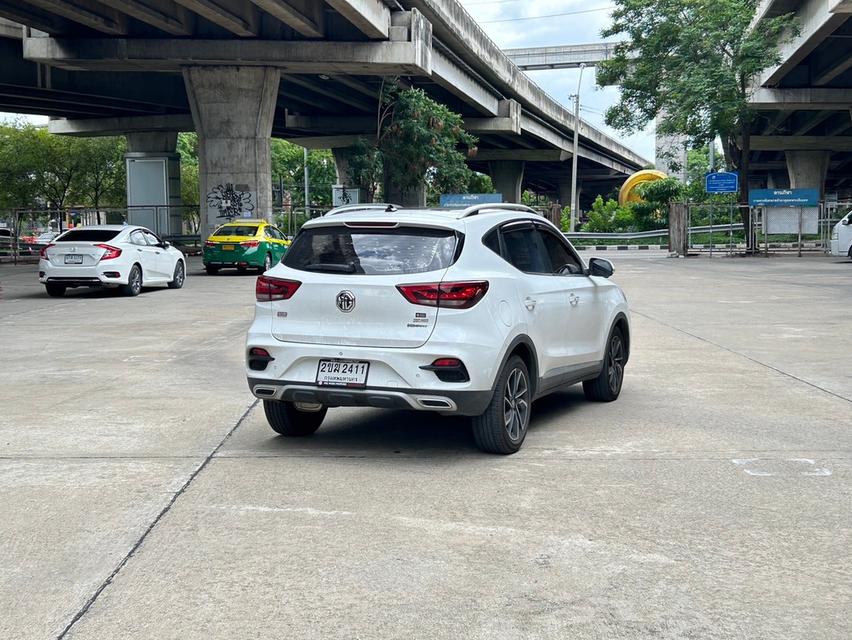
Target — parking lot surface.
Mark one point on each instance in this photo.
(142, 494)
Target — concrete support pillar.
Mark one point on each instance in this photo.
(508, 178)
(406, 198)
(564, 186)
(342, 155)
(153, 182)
(778, 180)
(233, 109)
(808, 169)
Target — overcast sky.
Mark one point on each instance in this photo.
(500, 19)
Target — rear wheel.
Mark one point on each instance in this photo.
(287, 420)
(55, 290)
(607, 386)
(211, 270)
(134, 282)
(179, 276)
(503, 426)
(267, 263)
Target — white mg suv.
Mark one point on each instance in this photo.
(475, 312)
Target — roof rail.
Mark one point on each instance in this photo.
(476, 209)
(371, 206)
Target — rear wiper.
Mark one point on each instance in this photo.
(335, 268)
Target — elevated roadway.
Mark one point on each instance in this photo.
(311, 72)
(803, 135)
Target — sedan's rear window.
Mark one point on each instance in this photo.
(396, 251)
(87, 235)
(235, 230)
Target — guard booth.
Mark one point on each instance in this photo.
(784, 212)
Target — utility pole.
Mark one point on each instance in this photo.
(307, 188)
(574, 202)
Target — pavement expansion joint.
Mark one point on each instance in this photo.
(88, 605)
(743, 355)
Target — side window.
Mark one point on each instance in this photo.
(137, 238)
(276, 233)
(492, 241)
(269, 232)
(522, 250)
(152, 239)
(559, 259)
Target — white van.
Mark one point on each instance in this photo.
(841, 237)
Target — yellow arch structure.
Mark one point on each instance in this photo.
(628, 189)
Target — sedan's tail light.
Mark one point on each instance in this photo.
(250, 243)
(446, 295)
(270, 289)
(110, 252)
(209, 243)
(43, 252)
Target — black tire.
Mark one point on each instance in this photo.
(267, 263)
(503, 426)
(211, 270)
(287, 420)
(55, 290)
(179, 276)
(607, 386)
(134, 282)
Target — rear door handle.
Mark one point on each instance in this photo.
(529, 303)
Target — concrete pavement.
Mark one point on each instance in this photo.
(141, 495)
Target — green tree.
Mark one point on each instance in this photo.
(103, 177)
(652, 212)
(418, 144)
(288, 170)
(691, 65)
(606, 217)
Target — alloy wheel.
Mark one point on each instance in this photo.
(615, 363)
(516, 404)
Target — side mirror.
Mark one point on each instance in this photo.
(166, 244)
(600, 268)
(845, 222)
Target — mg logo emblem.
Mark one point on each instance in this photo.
(346, 301)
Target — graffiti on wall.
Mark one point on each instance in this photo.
(230, 202)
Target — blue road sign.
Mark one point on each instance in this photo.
(470, 199)
(784, 197)
(722, 182)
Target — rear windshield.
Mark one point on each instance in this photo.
(372, 251)
(87, 235)
(243, 230)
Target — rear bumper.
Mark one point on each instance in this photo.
(101, 274)
(237, 258)
(465, 403)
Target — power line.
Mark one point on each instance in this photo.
(553, 15)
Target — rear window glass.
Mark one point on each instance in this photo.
(372, 251)
(87, 235)
(242, 230)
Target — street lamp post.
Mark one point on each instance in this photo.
(574, 202)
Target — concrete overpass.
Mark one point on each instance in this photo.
(311, 72)
(570, 56)
(803, 137)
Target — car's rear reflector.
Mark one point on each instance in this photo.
(446, 295)
(271, 289)
(110, 252)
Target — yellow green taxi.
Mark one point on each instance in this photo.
(244, 244)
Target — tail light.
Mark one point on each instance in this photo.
(446, 295)
(250, 243)
(43, 252)
(270, 289)
(110, 252)
(209, 243)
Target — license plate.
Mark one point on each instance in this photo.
(342, 373)
(73, 259)
(227, 247)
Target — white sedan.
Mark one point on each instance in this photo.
(113, 256)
